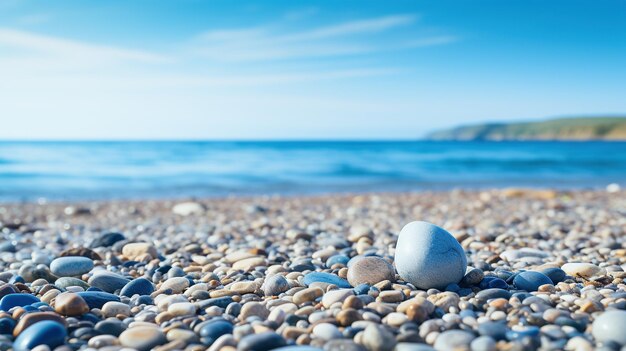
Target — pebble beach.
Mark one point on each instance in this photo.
(508, 269)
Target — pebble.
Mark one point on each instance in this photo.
(454, 340)
(96, 299)
(584, 270)
(275, 285)
(107, 240)
(321, 277)
(370, 270)
(114, 308)
(282, 275)
(214, 329)
(12, 300)
(70, 304)
(261, 342)
(142, 338)
(188, 209)
(47, 332)
(428, 256)
(377, 338)
(306, 295)
(327, 331)
(335, 296)
(610, 326)
(176, 284)
(107, 281)
(136, 250)
(71, 266)
(138, 286)
(531, 281)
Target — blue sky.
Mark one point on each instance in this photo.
(302, 69)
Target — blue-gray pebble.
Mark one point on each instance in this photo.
(71, 266)
(531, 280)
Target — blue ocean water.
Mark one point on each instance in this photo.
(104, 170)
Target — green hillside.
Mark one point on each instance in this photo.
(574, 128)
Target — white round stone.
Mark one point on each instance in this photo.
(609, 326)
(427, 256)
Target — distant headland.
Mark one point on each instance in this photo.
(570, 128)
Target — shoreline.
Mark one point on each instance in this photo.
(314, 194)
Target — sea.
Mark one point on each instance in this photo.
(31, 171)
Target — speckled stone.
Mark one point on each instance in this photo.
(370, 270)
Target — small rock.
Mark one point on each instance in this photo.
(609, 326)
(188, 208)
(71, 266)
(70, 304)
(370, 270)
(427, 256)
(142, 338)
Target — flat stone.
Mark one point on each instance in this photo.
(65, 282)
(107, 281)
(583, 270)
(70, 304)
(322, 277)
(494, 293)
(18, 299)
(327, 331)
(81, 251)
(454, 340)
(306, 295)
(97, 299)
(245, 287)
(177, 284)
(47, 332)
(188, 208)
(107, 240)
(516, 254)
(35, 317)
(138, 286)
(249, 263)
(71, 266)
(134, 250)
(261, 342)
(142, 338)
(115, 308)
(530, 280)
(427, 256)
(405, 346)
(370, 270)
(182, 309)
(253, 308)
(334, 296)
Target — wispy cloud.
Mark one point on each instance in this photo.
(264, 43)
(23, 43)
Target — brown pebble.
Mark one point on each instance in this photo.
(70, 304)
